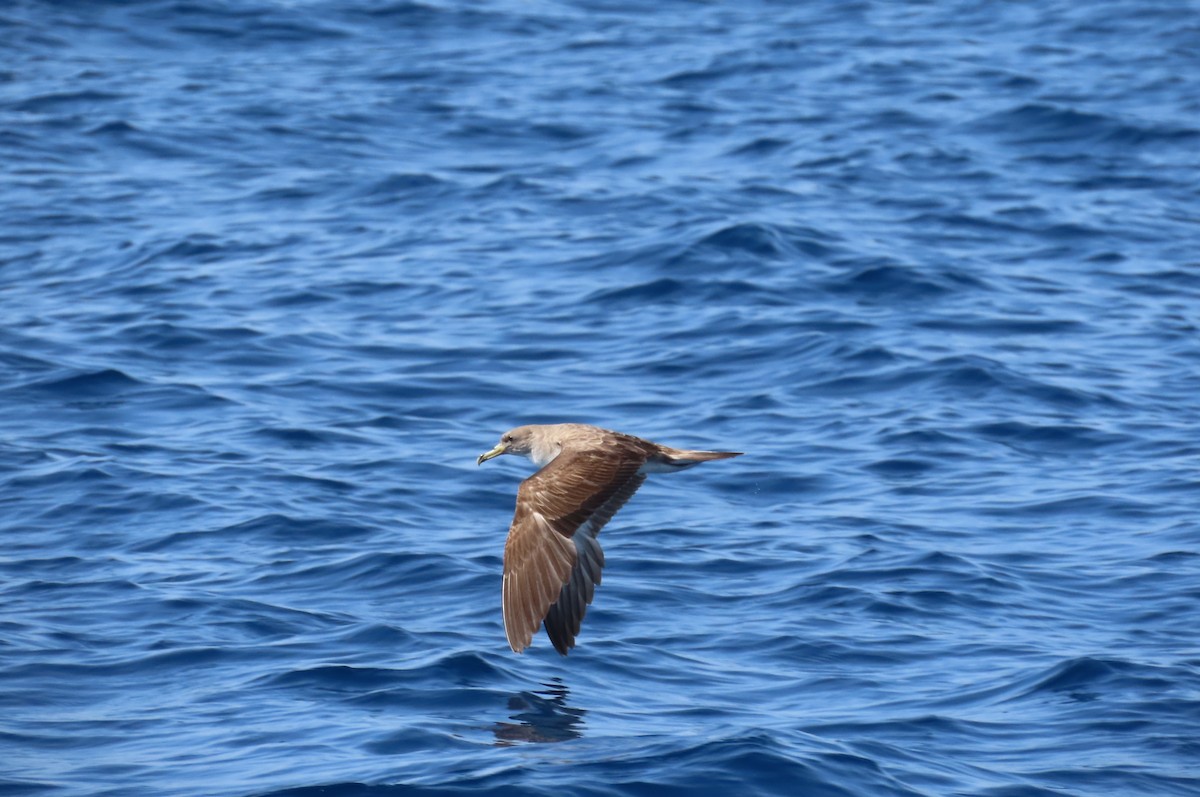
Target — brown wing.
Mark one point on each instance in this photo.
(552, 560)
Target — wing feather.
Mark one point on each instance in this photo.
(552, 559)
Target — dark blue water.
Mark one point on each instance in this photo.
(272, 274)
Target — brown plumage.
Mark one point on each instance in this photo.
(552, 559)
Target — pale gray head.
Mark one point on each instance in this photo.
(519, 441)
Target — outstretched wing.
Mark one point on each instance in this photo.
(552, 560)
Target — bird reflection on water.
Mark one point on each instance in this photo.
(540, 716)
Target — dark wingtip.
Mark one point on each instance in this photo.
(562, 641)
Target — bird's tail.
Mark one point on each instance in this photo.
(702, 456)
(680, 458)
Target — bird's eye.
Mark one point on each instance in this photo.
(506, 439)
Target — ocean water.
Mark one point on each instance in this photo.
(273, 274)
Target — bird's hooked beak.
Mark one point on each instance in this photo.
(495, 452)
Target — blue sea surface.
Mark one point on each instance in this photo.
(273, 274)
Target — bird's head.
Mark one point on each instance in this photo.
(517, 441)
